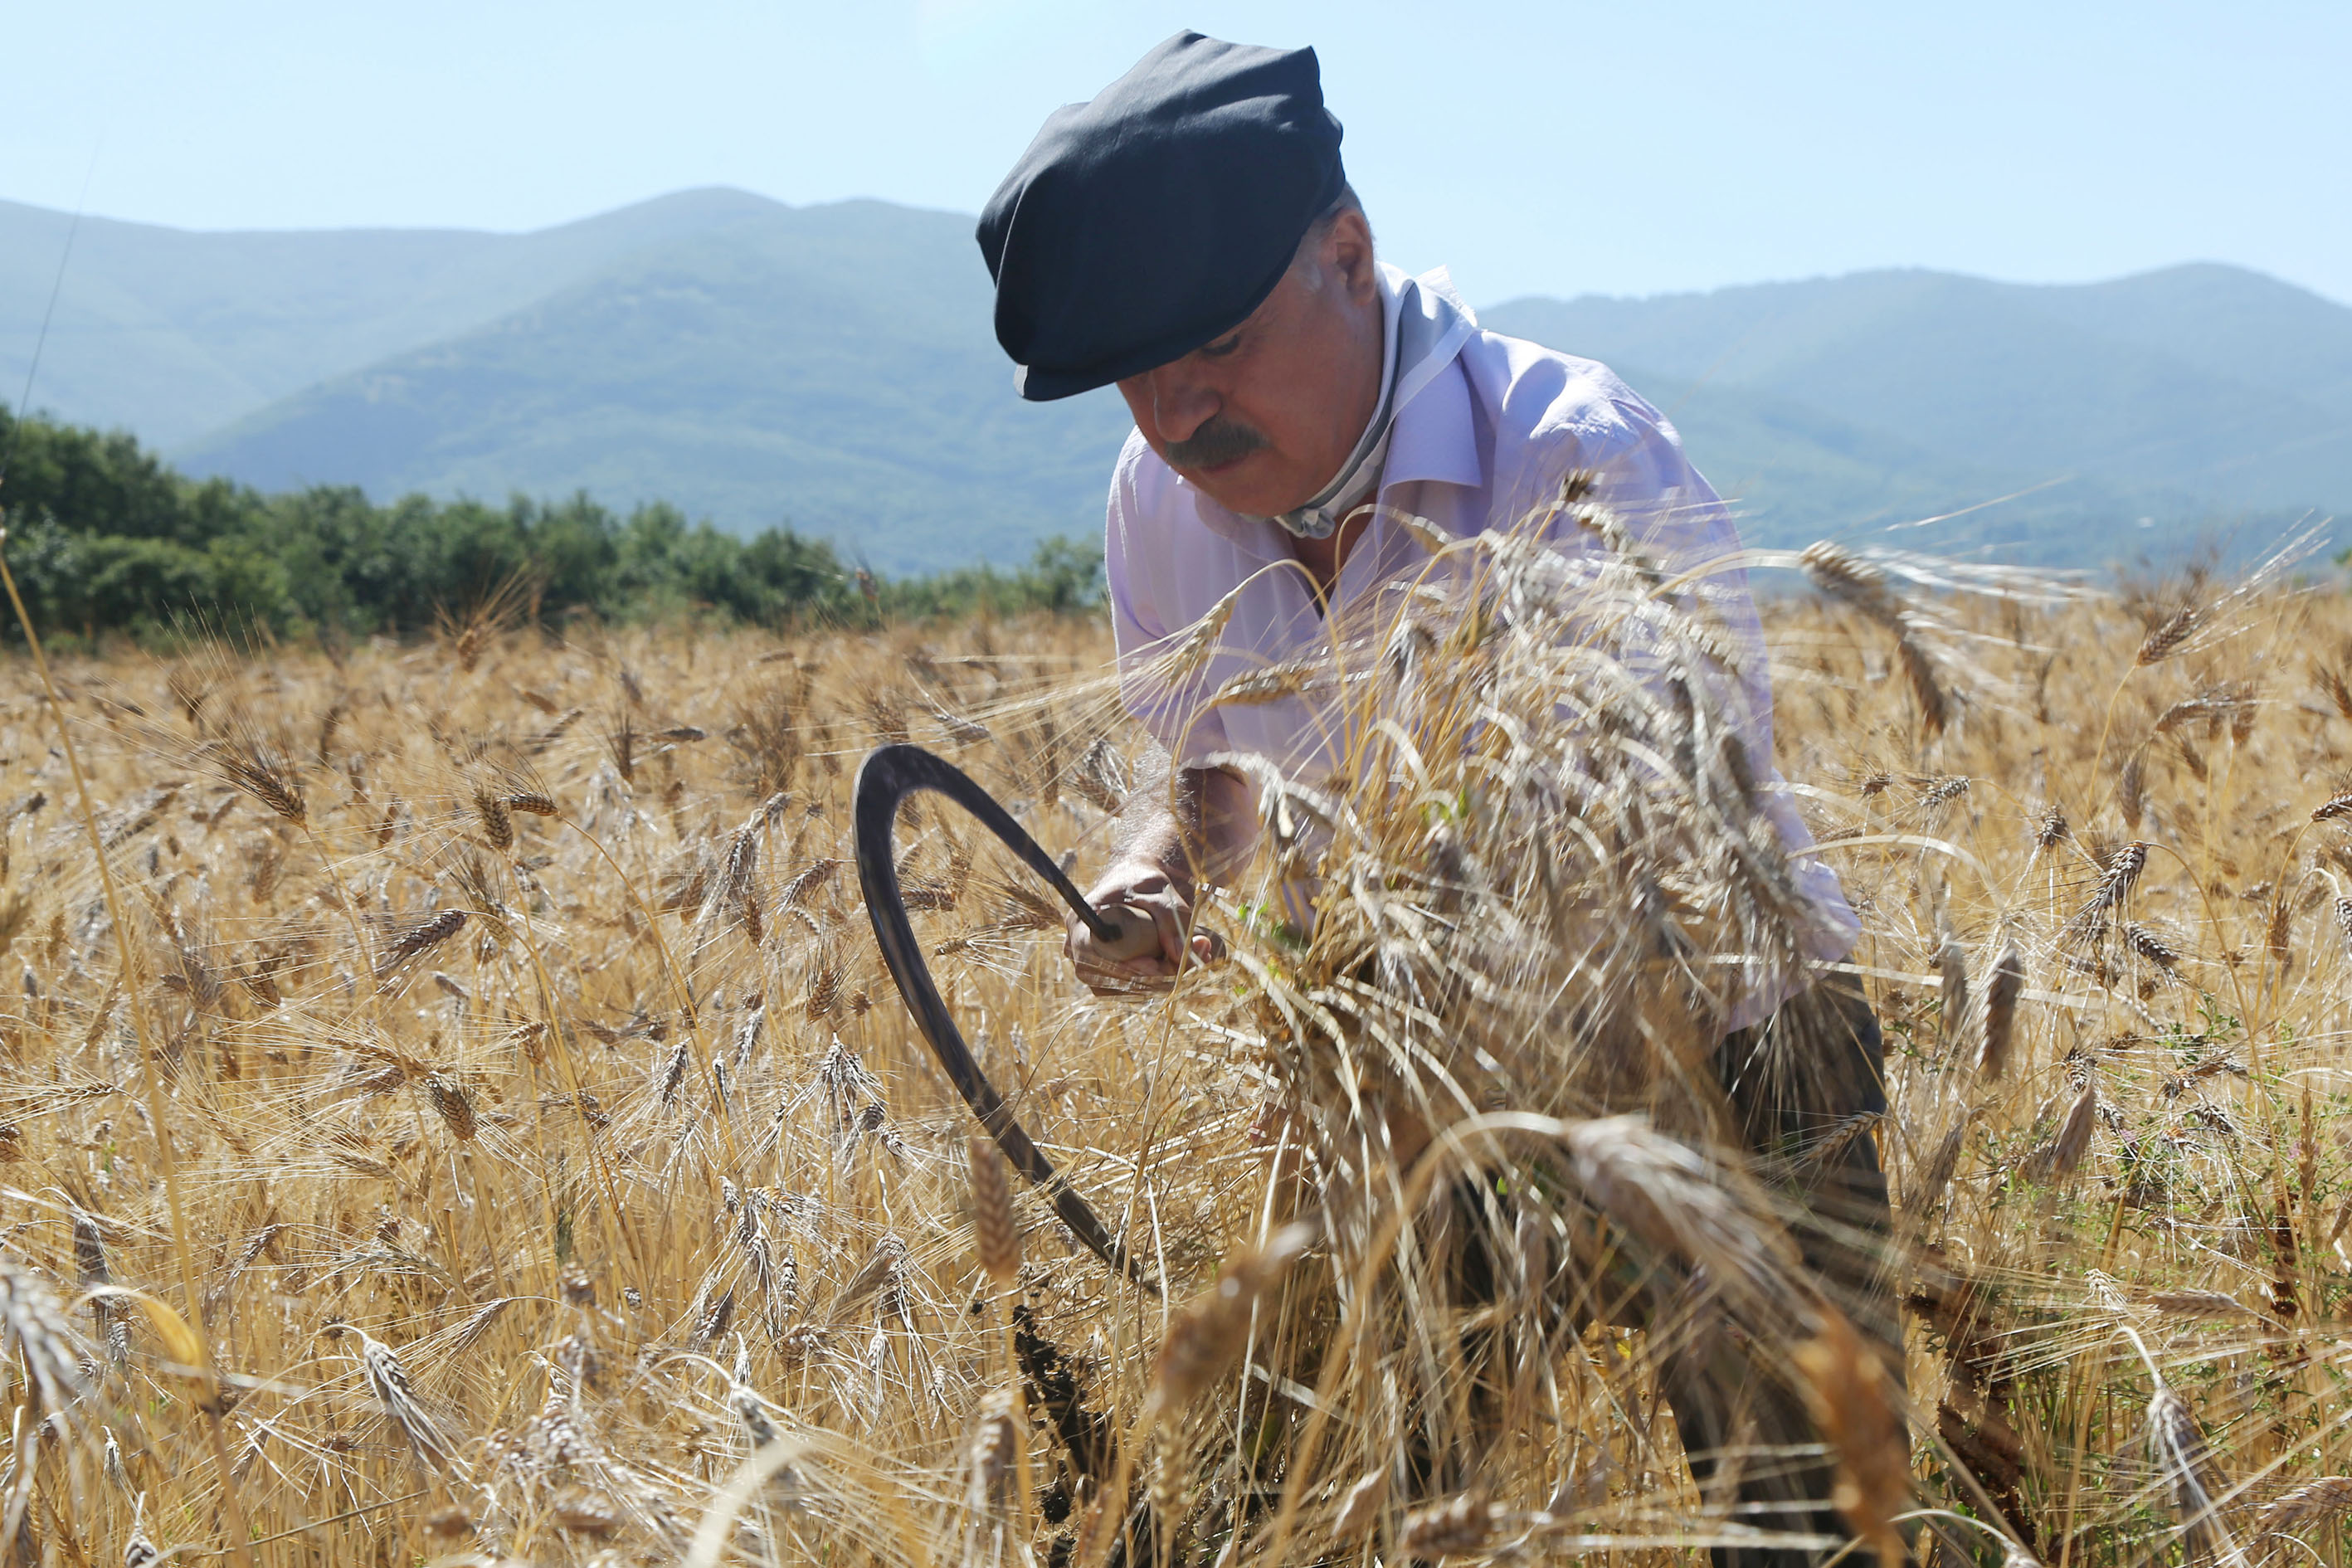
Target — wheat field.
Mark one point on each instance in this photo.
(468, 1122)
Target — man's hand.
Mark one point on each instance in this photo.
(1195, 820)
(1155, 913)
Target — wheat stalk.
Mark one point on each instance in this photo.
(994, 1231)
(2185, 1466)
(2000, 999)
(387, 1380)
(1846, 1389)
(1207, 1334)
(418, 939)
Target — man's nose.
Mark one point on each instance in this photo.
(1180, 403)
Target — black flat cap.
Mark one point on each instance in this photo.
(1157, 218)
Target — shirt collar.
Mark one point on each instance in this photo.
(1431, 436)
(1434, 438)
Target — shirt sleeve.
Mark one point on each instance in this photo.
(1642, 475)
(1675, 515)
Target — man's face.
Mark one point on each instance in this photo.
(1262, 418)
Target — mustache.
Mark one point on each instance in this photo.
(1217, 442)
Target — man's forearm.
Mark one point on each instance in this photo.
(1193, 825)
(1160, 822)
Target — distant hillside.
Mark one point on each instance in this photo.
(832, 367)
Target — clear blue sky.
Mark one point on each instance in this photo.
(1537, 147)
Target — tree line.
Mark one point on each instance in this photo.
(104, 537)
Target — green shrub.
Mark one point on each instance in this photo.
(105, 537)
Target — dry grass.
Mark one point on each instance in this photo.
(561, 1181)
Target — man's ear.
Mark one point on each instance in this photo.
(1348, 250)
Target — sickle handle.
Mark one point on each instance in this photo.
(885, 778)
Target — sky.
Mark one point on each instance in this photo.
(1535, 147)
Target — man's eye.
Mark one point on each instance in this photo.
(1222, 347)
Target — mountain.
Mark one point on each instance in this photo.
(173, 335)
(832, 366)
(2201, 397)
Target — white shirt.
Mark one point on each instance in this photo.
(1486, 429)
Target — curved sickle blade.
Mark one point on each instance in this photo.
(885, 779)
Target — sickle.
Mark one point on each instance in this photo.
(885, 778)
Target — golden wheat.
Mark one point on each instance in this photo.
(645, 1183)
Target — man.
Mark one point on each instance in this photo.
(1189, 236)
